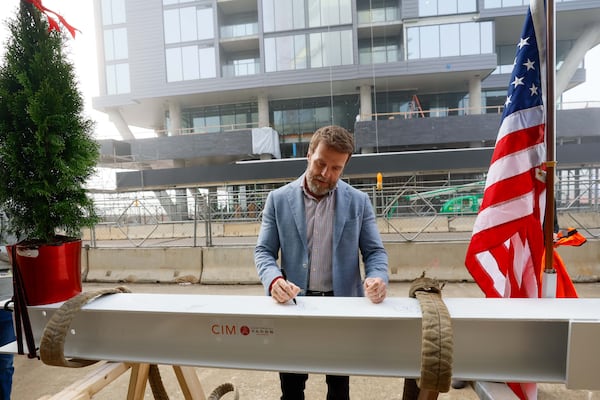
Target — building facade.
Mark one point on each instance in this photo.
(405, 76)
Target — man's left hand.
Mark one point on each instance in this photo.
(375, 289)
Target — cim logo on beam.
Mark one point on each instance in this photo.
(227, 330)
(220, 329)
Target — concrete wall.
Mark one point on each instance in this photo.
(158, 264)
(235, 265)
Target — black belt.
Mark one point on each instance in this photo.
(318, 293)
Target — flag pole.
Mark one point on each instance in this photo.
(549, 278)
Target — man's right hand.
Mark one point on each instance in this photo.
(283, 291)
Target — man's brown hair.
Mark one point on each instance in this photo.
(335, 137)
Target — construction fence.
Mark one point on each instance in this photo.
(411, 210)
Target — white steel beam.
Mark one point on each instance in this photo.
(532, 340)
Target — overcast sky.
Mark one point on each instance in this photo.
(79, 13)
(81, 50)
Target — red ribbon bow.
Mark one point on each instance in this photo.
(53, 25)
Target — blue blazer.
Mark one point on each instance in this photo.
(283, 232)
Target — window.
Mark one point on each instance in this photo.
(306, 115)
(287, 15)
(115, 47)
(204, 19)
(117, 79)
(283, 15)
(383, 51)
(241, 67)
(369, 11)
(330, 48)
(188, 28)
(469, 38)
(168, 2)
(412, 44)
(512, 3)
(188, 24)
(115, 44)
(208, 68)
(449, 40)
(427, 7)
(487, 38)
(190, 62)
(446, 7)
(430, 41)
(285, 53)
(113, 12)
(329, 12)
(492, 4)
(220, 118)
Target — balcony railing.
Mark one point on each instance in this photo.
(239, 30)
(512, 3)
(208, 129)
(443, 112)
(376, 15)
(240, 69)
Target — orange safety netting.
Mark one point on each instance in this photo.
(564, 237)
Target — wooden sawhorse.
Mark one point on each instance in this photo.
(86, 388)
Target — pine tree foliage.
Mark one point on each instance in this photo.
(47, 152)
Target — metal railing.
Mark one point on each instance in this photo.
(207, 129)
(414, 112)
(412, 210)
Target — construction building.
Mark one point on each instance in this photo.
(233, 89)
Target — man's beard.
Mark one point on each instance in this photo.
(316, 189)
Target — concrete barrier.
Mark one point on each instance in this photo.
(441, 260)
(164, 264)
(236, 229)
(235, 265)
(228, 265)
(583, 262)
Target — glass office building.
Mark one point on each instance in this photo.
(212, 70)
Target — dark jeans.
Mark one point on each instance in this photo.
(7, 335)
(292, 386)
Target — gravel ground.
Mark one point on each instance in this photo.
(34, 380)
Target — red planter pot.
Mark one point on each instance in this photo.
(51, 273)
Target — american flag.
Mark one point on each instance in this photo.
(506, 249)
(507, 245)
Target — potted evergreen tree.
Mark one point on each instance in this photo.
(47, 154)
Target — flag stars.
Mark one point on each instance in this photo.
(523, 42)
(533, 90)
(508, 101)
(518, 81)
(529, 64)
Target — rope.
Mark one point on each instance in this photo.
(156, 384)
(437, 340)
(52, 345)
(222, 390)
